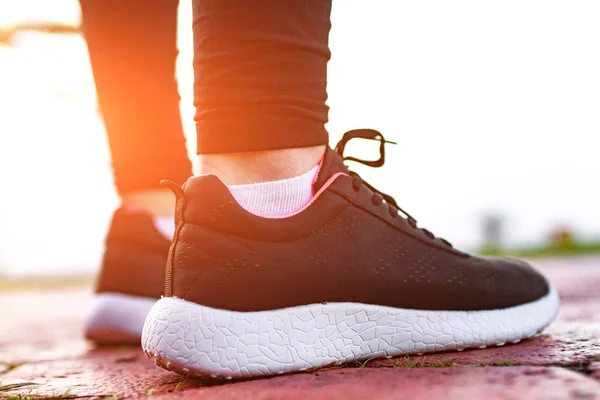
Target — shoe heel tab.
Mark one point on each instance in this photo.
(173, 187)
(200, 186)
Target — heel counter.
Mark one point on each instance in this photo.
(203, 261)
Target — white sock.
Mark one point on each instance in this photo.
(166, 226)
(276, 198)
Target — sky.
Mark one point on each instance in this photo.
(494, 105)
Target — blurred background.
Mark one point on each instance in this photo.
(495, 107)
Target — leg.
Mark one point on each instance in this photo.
(260, 87)
(133, 50)
(132, 46)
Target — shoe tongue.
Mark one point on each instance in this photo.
(331, 164)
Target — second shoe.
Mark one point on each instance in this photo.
(350, 277)
(131, 279)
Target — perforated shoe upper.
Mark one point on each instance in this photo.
(347, 246)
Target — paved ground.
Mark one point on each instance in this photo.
(41, 346)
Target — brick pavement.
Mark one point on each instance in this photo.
(41, 343)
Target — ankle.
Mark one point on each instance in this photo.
(157, 202)
(260, 166)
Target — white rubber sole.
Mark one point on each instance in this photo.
(195, 340)
(116, 318)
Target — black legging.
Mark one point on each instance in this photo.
(260, 71)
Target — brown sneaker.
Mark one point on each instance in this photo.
(131, 280)
(350, 277)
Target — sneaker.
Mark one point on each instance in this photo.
(131, 280)
(350, 277)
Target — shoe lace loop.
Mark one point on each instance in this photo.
(378, 197)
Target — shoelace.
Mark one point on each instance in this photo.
(378, 197)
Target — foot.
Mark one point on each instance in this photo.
(350, 277)
(131, 280)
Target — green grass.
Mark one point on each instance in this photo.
(579, 248)
(7, 367)
(444, 364)
(178, 386)
(507, 363)
(406, 362)
(54, 396)
(13, 386)
(420, 362)
(363, 364)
